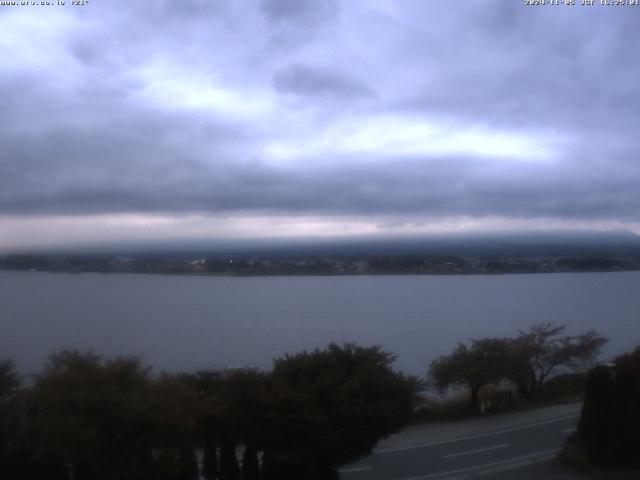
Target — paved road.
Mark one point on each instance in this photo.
(492, 454)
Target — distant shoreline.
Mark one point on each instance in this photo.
(328, 264)
(328, 274)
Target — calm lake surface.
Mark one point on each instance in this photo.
(189, 322)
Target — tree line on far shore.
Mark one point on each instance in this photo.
(86, 417)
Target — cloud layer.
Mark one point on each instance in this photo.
(369, 111)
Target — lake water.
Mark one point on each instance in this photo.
(190, 322)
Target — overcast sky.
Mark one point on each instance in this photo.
(168, 119)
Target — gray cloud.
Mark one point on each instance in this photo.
(304, 80)
(171, 108)
(501, 70)
(190, 8)
(299, 10)
(91, 174)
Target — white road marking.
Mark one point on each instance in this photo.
(567, 430)
(485, 465)
(504, 468)
(469, 452)
(479, 435)
(354, 469)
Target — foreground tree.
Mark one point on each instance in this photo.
(329, 407)
(543, 350)
(472, 366)
(229, 467)
(9, 381)
(92, 413)
(9, 384)
(250, 464)
(232, 415)
(174, 408)
(209, 459)
(608, 433)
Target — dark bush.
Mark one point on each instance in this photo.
(569, 386)
(610, 420)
